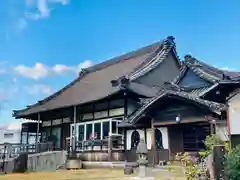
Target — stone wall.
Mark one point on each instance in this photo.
(46, 161)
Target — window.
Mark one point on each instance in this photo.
(97, 130)
(46, 123)
(105, 129)
(116, 112)
(100, 114)
(89, 131)
(135, 138)
(81, 133)
(114, 127)
(158, 138)
(56, 122)
(45, 134)
(87, 116)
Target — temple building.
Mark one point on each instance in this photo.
(149, 93)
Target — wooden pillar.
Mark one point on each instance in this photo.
(62, 144)
(75, 128)
(38, 126)
(153, 144)
(21, 138)
(125, 139)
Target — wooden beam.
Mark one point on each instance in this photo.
(189, 120)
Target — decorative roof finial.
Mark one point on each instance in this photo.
(171, 38)
(187, 57)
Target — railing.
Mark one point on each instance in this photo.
(114, 143)
(13, 150)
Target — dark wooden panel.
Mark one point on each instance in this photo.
(169, 109)
(175, 139)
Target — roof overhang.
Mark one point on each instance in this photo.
(234, 84)
(214, 107)
(138, 89)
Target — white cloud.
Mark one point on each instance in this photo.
(61, 68)
(83, 65)
(63, 2)
(38, 89)
(43, 8)
(39, 70)
(227, 69)
(36, 72)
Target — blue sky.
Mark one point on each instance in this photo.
(44, 43)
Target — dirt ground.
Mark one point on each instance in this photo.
(89, 174)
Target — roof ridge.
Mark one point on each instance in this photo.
(123, 57)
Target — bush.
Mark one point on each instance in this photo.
(232, 163)
(196, 169)
(209, 143)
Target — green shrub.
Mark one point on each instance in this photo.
(232, 163)
(209, 143)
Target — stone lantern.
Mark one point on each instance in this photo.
(142, 158)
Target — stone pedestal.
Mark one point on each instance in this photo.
(73, 164)
(142, 162)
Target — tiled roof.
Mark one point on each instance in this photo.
(207, 72)
(94, 83)
(212, 106)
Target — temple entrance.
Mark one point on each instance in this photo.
(194, 136)
(188, 137)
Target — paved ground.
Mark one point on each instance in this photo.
(93, 174)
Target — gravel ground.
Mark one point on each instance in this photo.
(94, 174)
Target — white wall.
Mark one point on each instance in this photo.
(129, 133)
(234, 115)
(163, 130)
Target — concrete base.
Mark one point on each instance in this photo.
(73, 164)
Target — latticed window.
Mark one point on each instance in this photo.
(158, 138)
(135, 138)
(81, 132)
